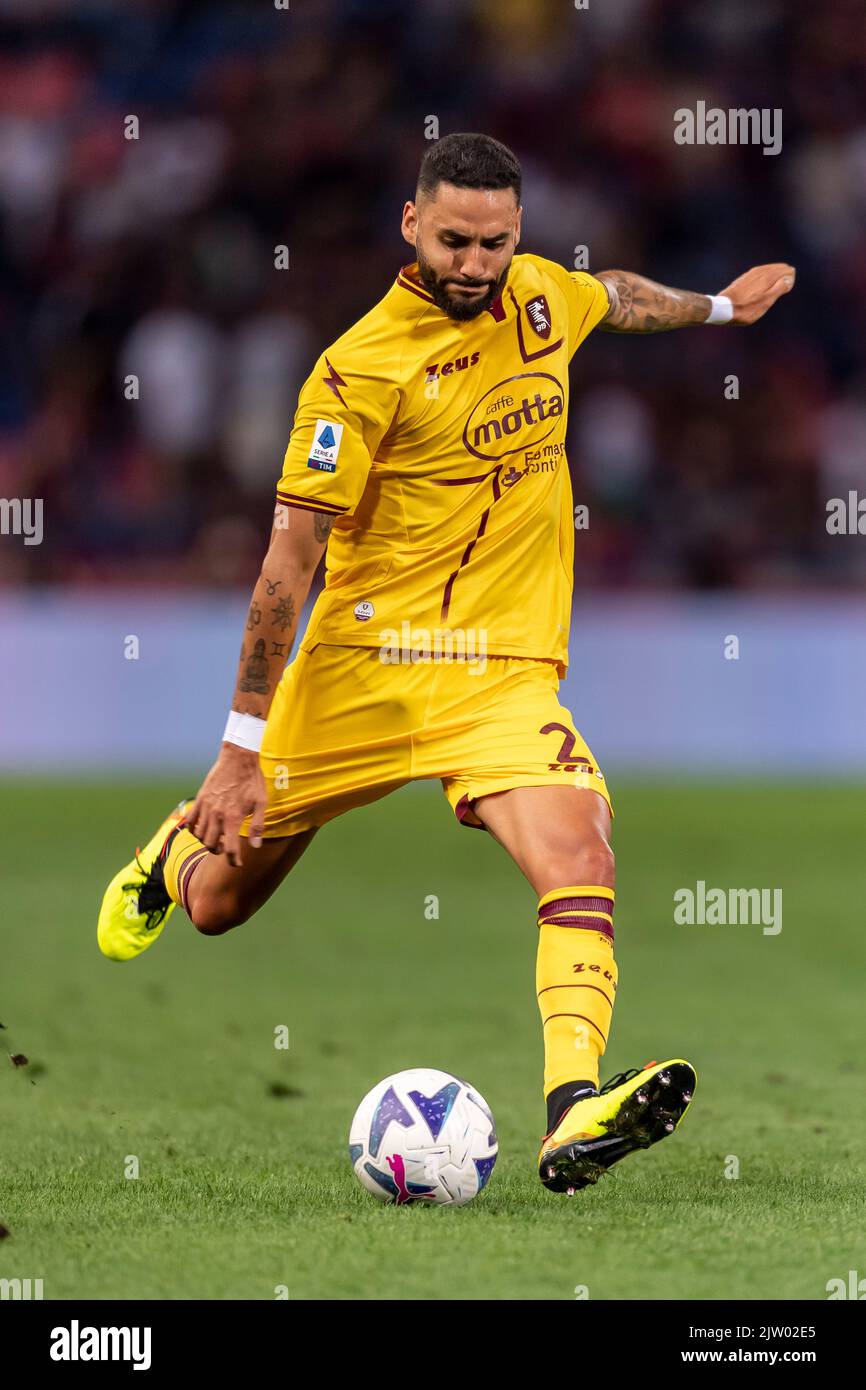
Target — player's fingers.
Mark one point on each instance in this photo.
(202, 829)
(781, 278)
(192, 816)
(232, 841)
(781, 286)
(211, 830)
(257, 823)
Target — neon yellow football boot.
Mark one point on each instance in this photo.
(631, 1111)
(136, 905)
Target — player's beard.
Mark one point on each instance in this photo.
(460, 309)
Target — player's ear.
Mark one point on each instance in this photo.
(409, 225)
(517, 221)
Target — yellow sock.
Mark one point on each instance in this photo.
(185, 853)
(576, 981)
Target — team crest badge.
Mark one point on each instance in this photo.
(539, 315)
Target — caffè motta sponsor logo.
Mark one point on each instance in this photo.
(517, 414)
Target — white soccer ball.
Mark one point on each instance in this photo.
(423, 1136)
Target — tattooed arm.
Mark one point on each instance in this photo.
(235, 788)
(638, 305)
(283, 585)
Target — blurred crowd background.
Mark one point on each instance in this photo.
(262, 126)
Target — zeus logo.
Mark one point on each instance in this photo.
(508, 421)
(446, 368)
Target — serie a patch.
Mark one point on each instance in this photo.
(327, 437)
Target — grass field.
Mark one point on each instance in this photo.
(244, 1178)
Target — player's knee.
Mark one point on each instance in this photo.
(600, 864)
(589, 860)
(215, 913)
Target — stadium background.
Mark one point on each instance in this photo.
(304, 127)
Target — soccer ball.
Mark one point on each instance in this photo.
(423, 1136)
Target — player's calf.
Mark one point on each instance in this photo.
(217, 895)
(559, 837)
(213, 912)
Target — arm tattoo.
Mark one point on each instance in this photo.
(638, 305)
(284, 613)
(255, 677)
(272, 585)
(254, 617)
(322, 524)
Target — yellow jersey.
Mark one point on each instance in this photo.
(439, 448)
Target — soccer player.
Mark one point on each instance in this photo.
(428, 457)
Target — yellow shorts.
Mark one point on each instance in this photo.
(345, 729)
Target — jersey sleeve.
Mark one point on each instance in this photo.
(586, 299)
(342, 417)
(587, 305)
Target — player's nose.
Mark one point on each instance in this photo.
(473, 266)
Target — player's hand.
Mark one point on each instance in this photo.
(755, 292)
(233, 789)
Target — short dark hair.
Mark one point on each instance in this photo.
(470, 161)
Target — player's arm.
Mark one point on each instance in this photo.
(344, 409)
(235, 788)
(638, 305)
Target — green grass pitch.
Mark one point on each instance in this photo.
(244, 1182)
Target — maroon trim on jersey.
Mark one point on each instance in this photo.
(497, 309)
(530, 356)
(289, 499)
(464, 808)
(405, 282)
(456, 482)
(482, 526)
(334, 381)
(446, 597)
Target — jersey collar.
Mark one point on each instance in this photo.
(409, 279)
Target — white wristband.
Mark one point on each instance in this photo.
(721, 309)
(246, 730)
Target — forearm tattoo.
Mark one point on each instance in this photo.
(638, 305)
(255, 673)
(284, 613)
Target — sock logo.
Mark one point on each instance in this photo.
(581, 965)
